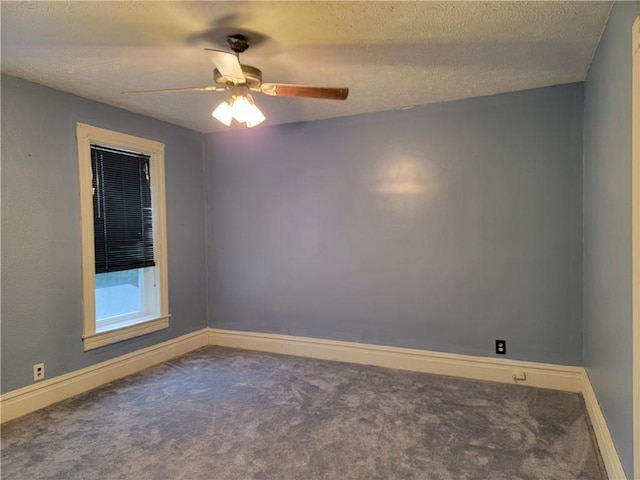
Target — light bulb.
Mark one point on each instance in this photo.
(256, 117)
(241, 109)
(223, 113)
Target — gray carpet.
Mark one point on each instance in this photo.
(226, 414)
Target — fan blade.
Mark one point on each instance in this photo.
(227, 64)
(285, 90)
(185, 89)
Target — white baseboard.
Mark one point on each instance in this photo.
(603, 436)
(557, 377)
(572, 379)
(479, 368)
(34, 397)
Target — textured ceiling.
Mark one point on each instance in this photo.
(390, 54)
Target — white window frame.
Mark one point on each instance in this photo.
(92, 336)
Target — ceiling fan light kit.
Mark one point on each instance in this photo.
(230, 75)
(239, 107)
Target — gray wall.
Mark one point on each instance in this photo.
(443, 227)
(41, 254)
(607, 228)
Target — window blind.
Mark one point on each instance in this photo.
(122, 214)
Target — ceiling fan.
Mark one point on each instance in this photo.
(230, 75)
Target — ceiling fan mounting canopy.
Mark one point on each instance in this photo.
(238, 42)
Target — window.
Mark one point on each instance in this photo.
(123, 236)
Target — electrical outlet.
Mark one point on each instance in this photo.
(38, 372)
(501, 347)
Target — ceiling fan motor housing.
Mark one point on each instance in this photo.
(252, 75)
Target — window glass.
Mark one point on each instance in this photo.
(119, 293)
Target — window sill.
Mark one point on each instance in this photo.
(117, 334)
